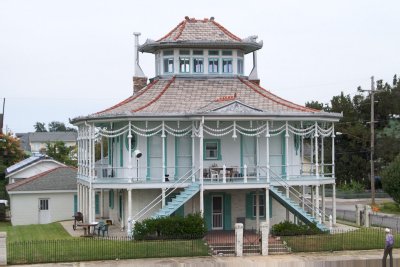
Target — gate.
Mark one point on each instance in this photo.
(251, 242)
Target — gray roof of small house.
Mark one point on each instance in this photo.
(26, 162)
(206, 96)
(61, 178)
(53, 136)
(205, 33)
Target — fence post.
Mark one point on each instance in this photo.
(358, 214)
(367, 211)
(3, 248)
(264, 238)
(239, 239)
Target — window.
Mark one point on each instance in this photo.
(197, 52)
(198, 65)
(168, 65)
(213, 65)
(44, 204)
(184, 65)
(227, 53)
(227, 66)
(240, 54)
(240, 67)
(261, 205)
(213, 52)
(184, 52)
(168, 53)
(212, 149)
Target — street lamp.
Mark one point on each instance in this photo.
(372, 92)
(137, 154)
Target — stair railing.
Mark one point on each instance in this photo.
(307, 203)
(160, 198)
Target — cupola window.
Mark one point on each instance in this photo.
(227, 52)
(227, 65)
(213, 65)
(213, 52)
(197, 52)
(184, 65)
(240, 67)
(198, 65)
(168, 61)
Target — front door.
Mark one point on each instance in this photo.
(44, 212)
(217, 213)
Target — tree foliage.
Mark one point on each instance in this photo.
(62, 153)
(352, 147)
(391, 179)
(40, 127)
(54, 126)
(10, 152)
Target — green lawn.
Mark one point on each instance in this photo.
(50, 231)
(361, 239)
(51, 243)
(390, 207)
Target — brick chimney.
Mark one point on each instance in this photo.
(139, 83)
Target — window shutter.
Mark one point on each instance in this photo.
(97, 203)
(249, 206)
(111, 199)
(207, 211)
(227, 212)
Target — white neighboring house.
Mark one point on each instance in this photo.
(36, 142)
(46, 197)
(30, 167)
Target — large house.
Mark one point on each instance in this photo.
(36, 142)
(204, 137)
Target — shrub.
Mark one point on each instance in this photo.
(390, 179)
(287, 228)
(192, 226)
(352, 187)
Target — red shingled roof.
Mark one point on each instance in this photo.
(182, 95)
(192, 29)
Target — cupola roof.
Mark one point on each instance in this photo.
(203, 33)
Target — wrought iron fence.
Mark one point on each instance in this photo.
(85, 249)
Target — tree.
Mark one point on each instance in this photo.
(40, 127)
(10, 152)
(56, 126)
(60, 152)
(391, 179)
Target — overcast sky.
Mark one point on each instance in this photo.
(62, 59)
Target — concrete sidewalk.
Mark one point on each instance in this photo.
(364, 258)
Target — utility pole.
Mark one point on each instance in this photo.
(372, 141)
(372, 92)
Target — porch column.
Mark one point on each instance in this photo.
(334, 203)
(92, 210)
(130, 175)
(101, 203)
(302, 152)
(317, 202)
(303, 196)
(84, 203)
(129, 203)
(322, 157)
(257, 212)
(267, 204)
(267, 135)
(316, 151)
(257, 158)
(193, 147)
(201, 167)
(163, 156)
(287, 151)
(311, 156)
(312, 202)
(323, 203)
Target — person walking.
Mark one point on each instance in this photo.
(389, 242)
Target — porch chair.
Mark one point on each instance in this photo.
(98, 227)
(104, 229)
(214, 174)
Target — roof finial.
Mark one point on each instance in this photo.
(187, 18)
(212, 18)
